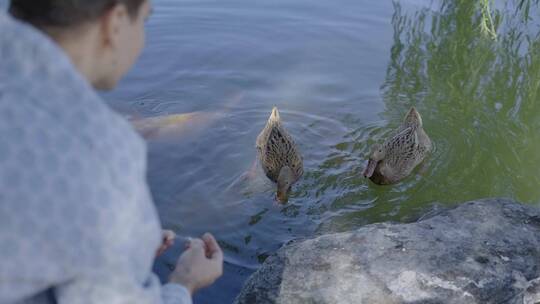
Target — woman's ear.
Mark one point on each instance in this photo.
(111, 24)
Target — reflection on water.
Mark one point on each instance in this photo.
(343, 75)
(478, 96)
(479, 100)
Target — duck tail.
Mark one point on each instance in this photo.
(413, 118)
(274, 116)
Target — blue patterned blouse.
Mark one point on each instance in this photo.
(77, 222)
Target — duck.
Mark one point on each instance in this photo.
(279, 156)
(397, 156)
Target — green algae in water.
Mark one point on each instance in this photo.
(479, 98)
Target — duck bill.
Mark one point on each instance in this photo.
(282, 194)
(282, 197)
(370, 168)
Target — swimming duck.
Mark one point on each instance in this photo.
(396, 158)
(279, 156)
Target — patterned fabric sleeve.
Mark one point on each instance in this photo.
(77, 221)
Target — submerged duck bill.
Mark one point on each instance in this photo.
(282, 198)
(370, 168)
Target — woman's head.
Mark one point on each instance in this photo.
(102, 37)
(67, 13)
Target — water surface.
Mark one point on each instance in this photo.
(343, 73)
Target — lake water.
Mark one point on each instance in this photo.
(343, 73)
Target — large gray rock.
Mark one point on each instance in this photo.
(484, 251)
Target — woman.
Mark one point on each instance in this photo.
(77, 223)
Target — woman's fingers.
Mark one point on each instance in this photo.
(187, 244)
(168, 238)
(169, 235)
(214, 254)
(167, 241)
(196, 245)
(213, 251)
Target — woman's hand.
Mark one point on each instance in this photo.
(200, 265)
(168, 241)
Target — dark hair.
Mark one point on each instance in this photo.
(65, 13)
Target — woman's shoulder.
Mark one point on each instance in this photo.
(42, 94)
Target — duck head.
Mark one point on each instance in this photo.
(377, 155)
(284, 183)
(413, 118)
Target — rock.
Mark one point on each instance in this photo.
(485, 251)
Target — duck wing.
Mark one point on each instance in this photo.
(279, 150)
(402, 150)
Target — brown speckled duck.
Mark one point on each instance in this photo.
(396, 158)
(279, 156)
